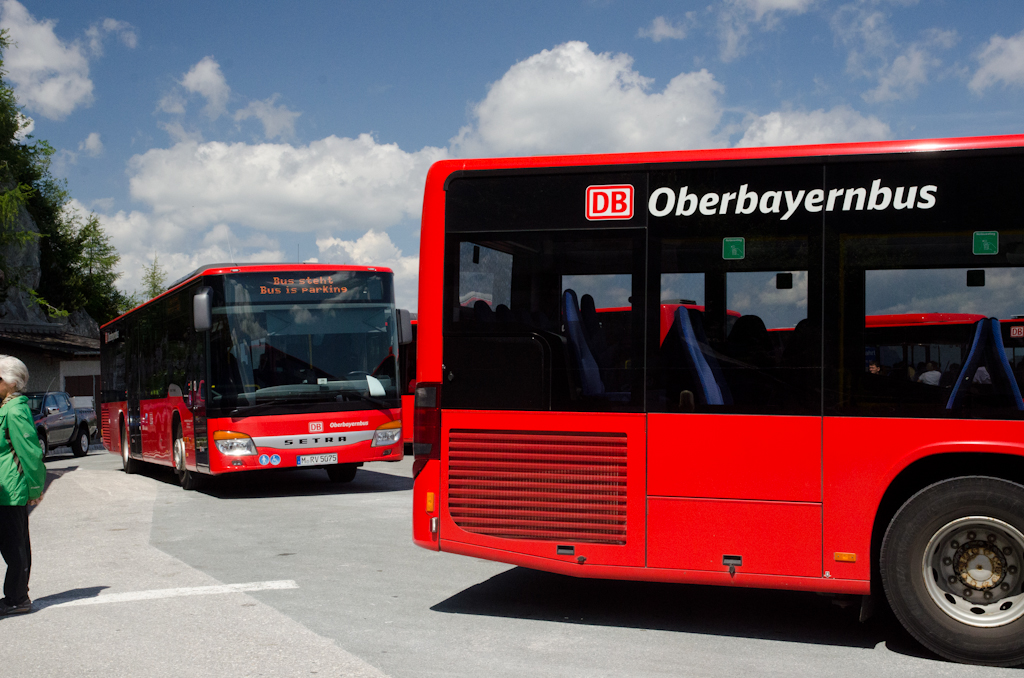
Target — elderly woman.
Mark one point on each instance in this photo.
(22, 477)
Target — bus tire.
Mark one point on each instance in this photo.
(951, 566)
(189, 480)
(44, 445)
(127, 463)
(341, 473)
(80, 443)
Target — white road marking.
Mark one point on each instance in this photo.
(157, 594)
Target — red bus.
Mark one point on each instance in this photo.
(246, 367)
(872, 440)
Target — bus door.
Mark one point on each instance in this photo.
(733, 383)
(543, 430)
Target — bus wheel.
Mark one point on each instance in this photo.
(951, 567)
(80, 443)
(341, 473)
(189, 480)
(127, 463)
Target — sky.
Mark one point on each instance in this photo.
(267, 131)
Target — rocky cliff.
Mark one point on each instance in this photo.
(21, 272)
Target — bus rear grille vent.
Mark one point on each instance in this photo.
(553, 486)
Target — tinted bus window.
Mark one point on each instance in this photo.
(544, 320)
(919, 287)
(737, 326)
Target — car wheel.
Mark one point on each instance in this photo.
(44, 446)
(951, 567)
(80, 443)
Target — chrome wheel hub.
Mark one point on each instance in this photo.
(179, 454)
(971, 569)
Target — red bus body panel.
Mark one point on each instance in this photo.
(806, 489)
(630, 425)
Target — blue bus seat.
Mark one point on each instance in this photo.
(987, 350)
(701, 358)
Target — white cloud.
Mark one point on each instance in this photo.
(328, 185)
(737, 16)
(374, 248)
(663, 29)
(875, 52)
(901, 78)
(219, 202)
(25, 127)
(97, 32)
(91, 144)
(277, 121)
(570, 100)
(178, 133)
(50, 77)
(206, 79)
(180, 248)
(1002, 60)
(841, 124)
(172, 102)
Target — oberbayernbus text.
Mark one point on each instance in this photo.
(241, 368)
(794, 368)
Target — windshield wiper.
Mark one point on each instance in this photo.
(287, 400)
(291, 400)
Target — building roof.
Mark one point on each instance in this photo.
(48, 338)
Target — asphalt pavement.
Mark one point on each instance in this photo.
(283, 573)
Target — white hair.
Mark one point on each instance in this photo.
(14, 372)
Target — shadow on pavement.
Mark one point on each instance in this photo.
(285, 482)
(67, 597)
(789, 616)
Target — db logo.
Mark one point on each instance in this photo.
(609, 202)
(316, 426)
(1017, 331)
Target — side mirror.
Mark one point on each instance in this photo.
(404, 319)
(202, 314)
(52, 410)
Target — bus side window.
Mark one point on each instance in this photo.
(734, 335)
(921, 340)
(543, 321)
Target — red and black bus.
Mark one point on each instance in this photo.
(246, 367)
(805, 376)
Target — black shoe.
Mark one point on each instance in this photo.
(20, 608)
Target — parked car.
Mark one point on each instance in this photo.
(58, 423)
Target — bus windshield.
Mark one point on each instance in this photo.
(327, 341)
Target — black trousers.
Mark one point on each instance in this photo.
(16, 551)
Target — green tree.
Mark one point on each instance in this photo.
(77, 260)
(154, 279)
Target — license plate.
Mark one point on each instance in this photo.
(316, 459)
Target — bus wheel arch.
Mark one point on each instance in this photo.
(928, 471)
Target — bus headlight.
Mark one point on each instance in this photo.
(387, 434)
(234, 444)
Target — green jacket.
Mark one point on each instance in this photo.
(17, 488)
